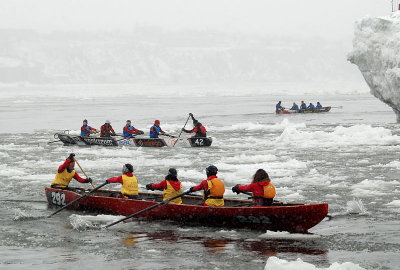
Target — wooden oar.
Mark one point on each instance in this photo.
(83, 171)
(80, 198)
(182, 130)
(148, 208)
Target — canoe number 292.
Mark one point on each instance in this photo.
(254, 219)
(58, 198)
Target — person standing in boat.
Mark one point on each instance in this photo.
(295, 107)
(66, 172)
(106, 130)
(129, 130)
(171, 186)
(87, 130)
(213, 187)
(130, 187)
(311, 107)
(303, 106)
(198, 128)
(279, 108)
(319, 106)
(156, 130)
(263, 190)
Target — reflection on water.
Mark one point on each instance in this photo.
(130, 239)
(263, 247)
(215, 245)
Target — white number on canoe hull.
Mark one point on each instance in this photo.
(58, 198)
(254, 219)
(199, 142)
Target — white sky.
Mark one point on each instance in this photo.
(330, 19)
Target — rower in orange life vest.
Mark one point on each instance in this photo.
(129, 130)
(106, 130)
(65, 174)
(87, 130)
(171, 186)
(261, 187)
(213, 187)
(198, 128)
(130, 188)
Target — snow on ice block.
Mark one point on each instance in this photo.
(376, 52)
(275, 263)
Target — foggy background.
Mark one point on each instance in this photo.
(258, 44)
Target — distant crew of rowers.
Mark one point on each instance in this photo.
(129, 131)
(303, 107)
(261, 188)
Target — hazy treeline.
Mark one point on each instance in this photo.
(151, 54)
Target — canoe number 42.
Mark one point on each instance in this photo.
(58, 198)
(199, 142)
(254, 219)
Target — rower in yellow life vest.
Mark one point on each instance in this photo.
(129, 188)
(66, 172)
(171, 186)
(261, 187)
(213, 187)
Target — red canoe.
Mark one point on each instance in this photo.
(235, 213)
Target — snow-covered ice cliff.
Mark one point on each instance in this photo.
(376, 52)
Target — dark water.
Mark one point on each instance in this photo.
(347, 158)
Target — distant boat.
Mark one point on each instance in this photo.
(323, 109)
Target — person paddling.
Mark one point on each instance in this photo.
(261, 187)
(129, 130)
(213, 187)
(303, 106)
(295, 107)
(66, 172)
(198, 128)
(156, 130)
(129, 188)
(171, 186)
(311, 107)
(106, 130)
(87, 130)
(319, 106)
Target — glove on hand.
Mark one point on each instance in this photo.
(191, 114)
(149, 187)
(236, 189)
(71, 156)
(88, 180)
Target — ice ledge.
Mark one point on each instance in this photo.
(376, 52)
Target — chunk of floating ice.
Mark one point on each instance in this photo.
(356, 207)
(287, 235)
(395, 203)
(275, 263)
(20, 215)
(79, 222)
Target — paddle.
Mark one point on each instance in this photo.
(166, 134)
(83, 171)
(182, 130)
(74, 201)
(148, 208)
(338, 107)
(255, 197)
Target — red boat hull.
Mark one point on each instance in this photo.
(292, 218)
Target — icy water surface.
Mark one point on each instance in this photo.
(347, 158)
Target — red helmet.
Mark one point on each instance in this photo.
(157, 122)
